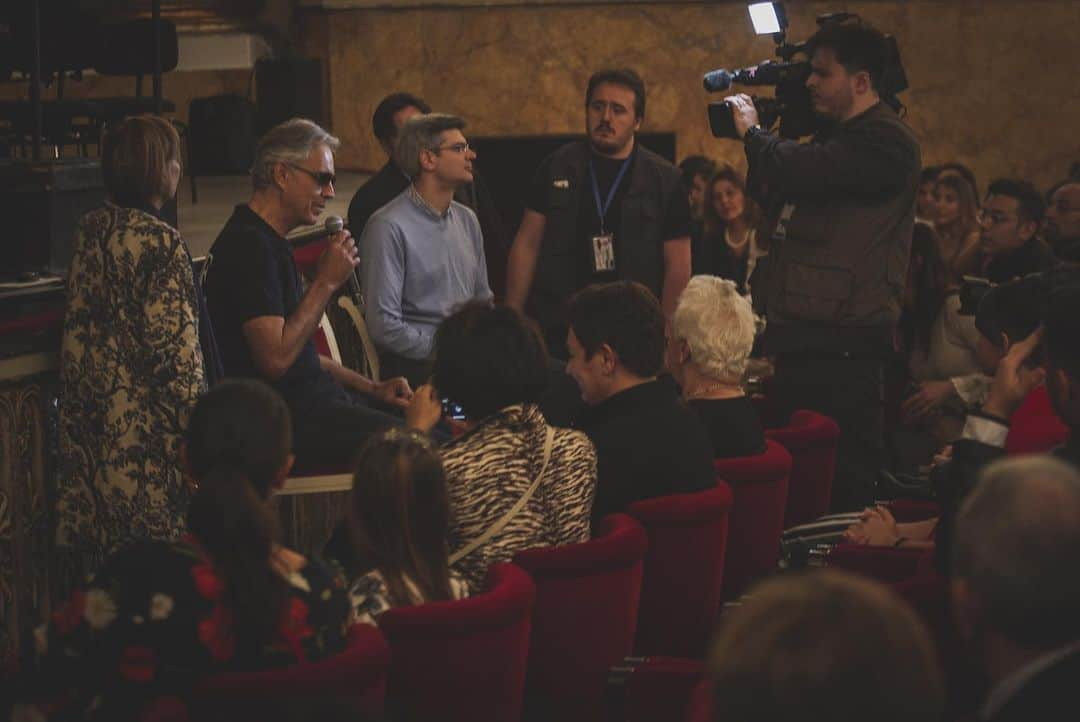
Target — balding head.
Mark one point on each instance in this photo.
(1017, 549)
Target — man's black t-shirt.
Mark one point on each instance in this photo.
(252, 274)
(676, 219)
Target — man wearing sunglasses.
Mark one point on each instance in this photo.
(422, 254)
(264, 318)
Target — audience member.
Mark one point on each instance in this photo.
(399, 521)
(1015, 593)
(390, 116)
(696, 171)
(925, 210)
(515, 482)
(131, 363)
(729, 248)
(712, 333)
(824, 645)
(956, 221)
(263, 316)
(648, 442)
(1063, 221)
(160, 615)
(959, 170)
(578, 227)
(1009, 246)
(422, 254)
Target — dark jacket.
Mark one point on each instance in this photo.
(1049, 696)
(837, 273)
(648, 444)
(1032, 257)
(653, 185)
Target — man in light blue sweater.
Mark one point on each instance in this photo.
(422, 254)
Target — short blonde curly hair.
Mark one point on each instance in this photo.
(717, 323)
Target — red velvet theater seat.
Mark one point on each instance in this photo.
(684, 569)
(759, 486)
(885, 564)
(660, 689)
(462, 661)
(811, 439)
(584, 618)
(356, 678)
(1035, 428)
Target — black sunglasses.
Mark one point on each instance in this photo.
(323, 179)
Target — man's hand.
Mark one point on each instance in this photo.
(395, 392)
(931, 395)
(876, 527)
(743, 112)
(338, 260)
(425, 409)
(1015, 378)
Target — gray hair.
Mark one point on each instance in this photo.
(420, 133)
(289, 142)
(1017, 545)
(717, 323)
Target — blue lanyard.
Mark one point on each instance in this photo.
(602, 209)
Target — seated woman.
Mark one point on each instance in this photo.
(399, 519)
(956, 209)
(131, 363)
(514, 481)
(712, 332)
(159, 615)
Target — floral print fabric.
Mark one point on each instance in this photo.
(369, 597)
(131, 369)
(153, 622)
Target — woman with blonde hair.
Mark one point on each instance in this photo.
(131, 361)
(957, 223)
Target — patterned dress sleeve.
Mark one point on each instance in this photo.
(368, 598)
(577, 475)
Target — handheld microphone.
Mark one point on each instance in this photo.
(332, 225)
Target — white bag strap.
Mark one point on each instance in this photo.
(498, 526)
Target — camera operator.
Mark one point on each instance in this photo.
(840, 212)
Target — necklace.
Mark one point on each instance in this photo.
(728, 391)
(740, 244)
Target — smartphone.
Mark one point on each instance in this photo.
(453, 410)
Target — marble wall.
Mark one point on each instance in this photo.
(983, 88)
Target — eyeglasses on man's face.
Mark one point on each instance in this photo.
(461, 148)
(322, 178)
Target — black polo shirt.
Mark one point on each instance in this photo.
(648, 444)
(252, 274)
(380, 189)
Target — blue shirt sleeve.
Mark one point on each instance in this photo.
(382, 260)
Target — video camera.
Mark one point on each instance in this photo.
(791, 105)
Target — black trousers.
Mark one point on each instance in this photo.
(328, 430)
(851, 391)
(416, 371)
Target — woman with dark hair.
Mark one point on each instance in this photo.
(514, 481)
(131, 363)
(399, 519)
(729, 246)
(956, 221)
(160, 615)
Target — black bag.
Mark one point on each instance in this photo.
(221, 135)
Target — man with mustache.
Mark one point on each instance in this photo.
(840, 212)
(422, 254)
(600, 209)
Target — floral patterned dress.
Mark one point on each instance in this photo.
(131, 371)
(153, 622)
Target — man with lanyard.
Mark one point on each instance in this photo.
(600, 209)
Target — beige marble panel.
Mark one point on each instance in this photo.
(985, 87)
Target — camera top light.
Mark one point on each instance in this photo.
(767, 18)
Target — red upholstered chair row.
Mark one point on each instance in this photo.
(355, 678)
(684, 570)
(759, 485)
(462, 660)
(584, 618)
(812, 440)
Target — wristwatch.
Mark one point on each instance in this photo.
(752, 131)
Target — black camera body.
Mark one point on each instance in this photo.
(790, 105)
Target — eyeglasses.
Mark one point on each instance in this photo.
(995, 219)
(323, 179)
(462, 148)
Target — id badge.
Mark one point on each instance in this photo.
(603, 248)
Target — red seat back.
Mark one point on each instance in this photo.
(356, 677)
(462, 660)
(759, 486)
(1035, 428)
(584, 618)
(811, 439)
(885, 564)
(662, 688)
(684, 570)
